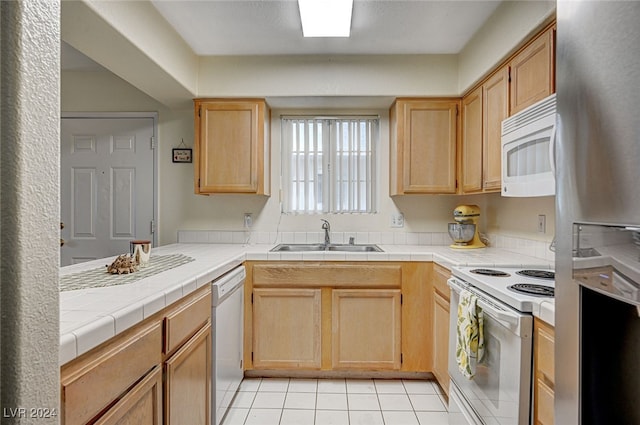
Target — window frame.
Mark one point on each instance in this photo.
(330, 153)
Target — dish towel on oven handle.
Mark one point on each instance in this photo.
(470, 335)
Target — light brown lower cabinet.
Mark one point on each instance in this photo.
(142, 405)
(544, 372)
(121, 381)
(441, 326)
(286, 328)
(337, 316)
(96, 381)
(187, 387)
(366, 329)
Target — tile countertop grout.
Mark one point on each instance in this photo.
(91, 316)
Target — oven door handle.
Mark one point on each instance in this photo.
(488, 307)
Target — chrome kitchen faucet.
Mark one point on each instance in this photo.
(327, 228)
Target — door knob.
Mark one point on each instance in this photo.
(61, 225)
(61, 241)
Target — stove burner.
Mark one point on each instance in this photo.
(490, 272)
(531, 289)
(540, 274)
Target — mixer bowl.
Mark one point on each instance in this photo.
(461, 233)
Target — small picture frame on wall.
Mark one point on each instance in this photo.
(182, 155)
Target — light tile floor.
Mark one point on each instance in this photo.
(283, 401)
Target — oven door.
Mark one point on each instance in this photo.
(500, 391)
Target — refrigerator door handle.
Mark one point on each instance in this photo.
(552, 149)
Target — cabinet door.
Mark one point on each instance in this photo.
(495, 110)
(366, 329)
(286, 328)
(188, 381)
(441, 341)
(231, 149)
(425, 142)
(532, 72)
(472, 142)
(441, 326)
(544, 368)
(544, 401)
(142, 405)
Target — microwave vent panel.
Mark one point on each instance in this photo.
(543, 108)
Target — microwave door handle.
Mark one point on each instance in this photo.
(502, 316)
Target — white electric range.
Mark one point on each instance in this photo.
(508, 283)
(500, 391)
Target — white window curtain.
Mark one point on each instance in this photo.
(328, 164)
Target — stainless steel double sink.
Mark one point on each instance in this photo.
(294, 247)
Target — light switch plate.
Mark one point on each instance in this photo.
(248, 220)
(542, 223)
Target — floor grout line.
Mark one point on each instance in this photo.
(388, 390)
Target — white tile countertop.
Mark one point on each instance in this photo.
(91, 316)
(547, 312)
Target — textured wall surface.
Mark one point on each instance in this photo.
(29, 211)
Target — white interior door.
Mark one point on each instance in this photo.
(107, 186)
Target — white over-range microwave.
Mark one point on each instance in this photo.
(528, 143)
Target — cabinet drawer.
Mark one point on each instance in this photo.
(440, 277)
(327, 275)
(93, 382)
(186, 318)
(143, 404)
(545, 354)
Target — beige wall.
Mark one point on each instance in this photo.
(132, 40)
(180, 208)
(105, 92)
(292, 81)
(390, 75)
(510, 25)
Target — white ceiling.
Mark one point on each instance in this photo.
(272, 27)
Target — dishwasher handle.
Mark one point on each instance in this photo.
(227, 284)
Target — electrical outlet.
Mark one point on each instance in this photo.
(248, 220)
(542, 223)
(397, 220)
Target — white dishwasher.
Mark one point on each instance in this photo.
(227, 300)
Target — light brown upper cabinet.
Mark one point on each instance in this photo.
(423, 142)
(471, 144)
(482, 113)
(522, 80)
(495, 96)
(533, 71)
(232, 146)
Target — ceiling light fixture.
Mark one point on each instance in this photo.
(326, 18)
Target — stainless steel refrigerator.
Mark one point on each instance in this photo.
(597, 320)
